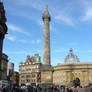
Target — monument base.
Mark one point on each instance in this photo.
(46, 75)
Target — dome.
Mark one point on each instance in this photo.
(21, 63)
(71, 58)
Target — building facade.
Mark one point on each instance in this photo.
(29, 71)
(72, 68)
(16, 78)
(4, 63)
(3, 31)
(10, 72)
(13, 76)
(10, 68)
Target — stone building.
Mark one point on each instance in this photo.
(10, 72)
(3, 31)
(65, 73)
(10, 68)
(4, 63)
(13, 76)
(29, 71)
(16, 78)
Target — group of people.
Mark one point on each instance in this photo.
(37, 89)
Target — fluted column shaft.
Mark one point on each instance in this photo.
(46, 42)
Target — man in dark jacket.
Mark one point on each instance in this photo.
(30, 89)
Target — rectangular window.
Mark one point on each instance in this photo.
(63, 76)
(57, 76)
(28, 76)
(23, 81)
(22, 76)
(60, 76)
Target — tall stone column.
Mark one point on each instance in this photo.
(46, 19)
(46, 68)
(3, 31)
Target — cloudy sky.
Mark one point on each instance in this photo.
(70, 27)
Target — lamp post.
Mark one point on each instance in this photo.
(3, 31)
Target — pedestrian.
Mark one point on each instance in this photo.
(7, 89)
(1, 89)
(30, 89)
(4, 88)
(56, 90)
(91, 89)
(75, 90)
(67, 89)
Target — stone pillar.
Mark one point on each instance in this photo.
(46, 68)
(3, 31)
(46, 20)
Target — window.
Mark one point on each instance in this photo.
(28, 80)
(27, 76)
(23, 80)
(37, 66)
(63, 73)
(34, 80)
(60, 76)
(63, 76)
(33, 75)
(22, 76)
(57, 76)
(89, 77)
(23, 71)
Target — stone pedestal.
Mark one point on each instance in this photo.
(46, 75)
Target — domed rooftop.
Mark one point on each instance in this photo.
(71, 58)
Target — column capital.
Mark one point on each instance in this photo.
(46, 14)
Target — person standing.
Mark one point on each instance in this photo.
(30, 89)
(0, 89)
(75, 90)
